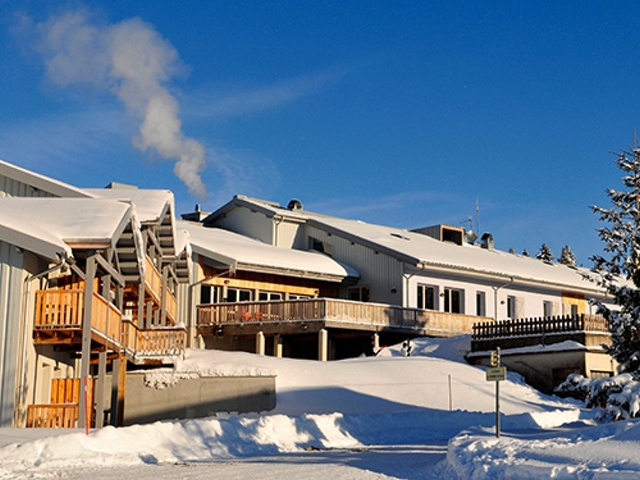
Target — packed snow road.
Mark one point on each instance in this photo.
(410, 462)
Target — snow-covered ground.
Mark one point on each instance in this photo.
(426, 416)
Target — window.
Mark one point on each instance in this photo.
(511, 306)
(453, 300)
(360, 294)
(427, 297)
(547, 308)
(208, 294)
(298, 297)
(238, 295)
(268, 296)
(481, 304)
(320, 246)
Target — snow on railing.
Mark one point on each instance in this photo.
(539, 326)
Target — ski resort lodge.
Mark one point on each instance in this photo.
(97, 285)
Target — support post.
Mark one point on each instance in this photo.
(260, 343)
(277, 345)
(84, 419)
(323, 345)
(376, 342)
(100, 388)
(115, 380)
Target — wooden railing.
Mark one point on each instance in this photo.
(341, 311)
(153, 279)
(153, 342)
(60, 415)
(64, 309)
(59, 308)
(539, 326)
(171, 305)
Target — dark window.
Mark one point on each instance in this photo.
(427, 295)
(481, 304)
(360, 294)
(452, 300)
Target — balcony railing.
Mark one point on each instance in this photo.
(539, 326)
(153, 279)
(154, 342)
(342, 313)
(171, 305)
(588, 330)
(64, 310)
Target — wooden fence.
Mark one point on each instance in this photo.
(539, 326)
(63, 411)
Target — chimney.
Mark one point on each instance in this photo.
(487, 241)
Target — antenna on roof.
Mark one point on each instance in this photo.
(477, 214)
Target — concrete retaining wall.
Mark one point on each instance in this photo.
(194, 398)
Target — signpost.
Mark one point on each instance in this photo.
(496, 373)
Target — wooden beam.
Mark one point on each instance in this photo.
(110, 270)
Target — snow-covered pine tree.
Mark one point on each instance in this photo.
(567, 257)
(619, 270)
(545, 253)
(525, 253)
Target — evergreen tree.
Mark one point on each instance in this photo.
(619, 271)
(567, 257)
(525, 253)
(545, 253)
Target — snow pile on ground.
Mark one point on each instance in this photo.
(328, 408)
(606, 451)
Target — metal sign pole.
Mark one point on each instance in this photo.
(498, 398)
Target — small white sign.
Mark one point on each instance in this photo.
(496, 374)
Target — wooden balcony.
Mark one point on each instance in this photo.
(143, 346)
(59, 316)
(590, 330)
(291, 316)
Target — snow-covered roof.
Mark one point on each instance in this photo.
(151, 205)
(48, 226)
(40, 182)
(247, 254)
(427, 253)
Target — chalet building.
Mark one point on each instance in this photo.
(87, 287)
(434, 268)
(447, 284)
(95, 283)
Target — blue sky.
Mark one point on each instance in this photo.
(398, 113)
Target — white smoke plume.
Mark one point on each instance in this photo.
(131, 60)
